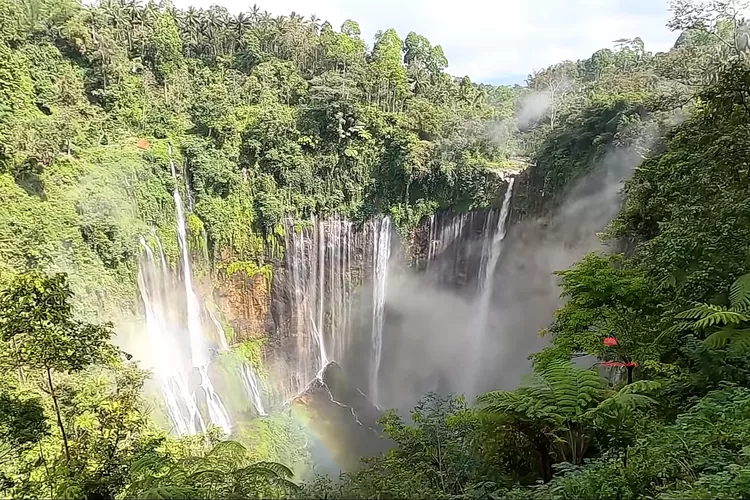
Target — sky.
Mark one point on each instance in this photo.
(491, 41)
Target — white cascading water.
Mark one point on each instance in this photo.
(223, 344)
(198, 349)
(486, 285)
(199, 353)
(319, 261)
(381, 255)
(320, 279)
(170, 370)
(489, 264)
(252, 387)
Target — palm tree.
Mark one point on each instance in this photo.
(223, 472)
(192, 18)
(255, 13)
(727, 324)
(238, 26)
(132, 14)
(314, 24)
(150, 11)
(558, 409)
(241, 23)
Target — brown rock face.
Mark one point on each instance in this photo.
(245, 301)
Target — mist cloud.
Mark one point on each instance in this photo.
(531, 107)
(429, 330)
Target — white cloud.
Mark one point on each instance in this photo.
(492, 40)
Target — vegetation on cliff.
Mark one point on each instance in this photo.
(277, 116)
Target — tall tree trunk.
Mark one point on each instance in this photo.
(21, 377)
(57, 412)
(46, 469)
(545, 461)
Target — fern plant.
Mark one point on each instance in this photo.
(558, 408)
(724, 324)
(223, 472)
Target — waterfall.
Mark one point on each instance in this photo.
(198, 351)
(162, 258)
(223, 344)
(320, 264)
(252, 386)
(488, 265)
(496, 248)
(381, 254)
(216, 411)
(170, 371)
(193, 309)
(188, 191)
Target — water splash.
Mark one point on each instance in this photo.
(381, 255)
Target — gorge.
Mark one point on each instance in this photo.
(397, 318)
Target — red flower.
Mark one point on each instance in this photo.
(619, 363)
(610, 341)
(143, 144)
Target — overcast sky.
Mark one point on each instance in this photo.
(492, 41)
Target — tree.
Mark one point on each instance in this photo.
(725, 324)
(164, 47)
(558, 408)
(436, 455)
(224, 471)
(22, 424)
(388, 72)
(112, 426)
(722, 20)
(36, 320)
(554, 83)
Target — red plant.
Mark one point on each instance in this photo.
(610, 341)
(619, 363)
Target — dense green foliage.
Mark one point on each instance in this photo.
(267, 117)
(74, 422)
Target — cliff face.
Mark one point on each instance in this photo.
(245, 301)
(323, 300)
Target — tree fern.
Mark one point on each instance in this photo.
(498, 402)
(733, 321)
(708, 315)
(562, 404)
(739, 293)
(222, 472)
(274, 468)
(563, 391)
(228, 448)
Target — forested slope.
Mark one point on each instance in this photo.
(270, 117)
